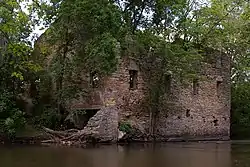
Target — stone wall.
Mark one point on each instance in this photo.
(184, 112)
(115, 91)
(203, 114)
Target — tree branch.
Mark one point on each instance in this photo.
(215, 24)
(136, 21)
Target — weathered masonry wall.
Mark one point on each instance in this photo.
(200, 109)
(115, 91)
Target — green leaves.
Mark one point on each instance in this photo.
(18, 75)
(102, 53)
(240, 109)
(17, 67)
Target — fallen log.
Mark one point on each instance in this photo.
(69, 137)
(61, 134)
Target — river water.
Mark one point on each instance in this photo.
(136, 155)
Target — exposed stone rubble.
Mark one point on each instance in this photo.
(103, 126)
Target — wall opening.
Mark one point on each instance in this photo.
(94, 80)
(167, 83)
(195, 86)
(219, 62)
(188, 113)
(218, 88)
(79, 118)
(216, 122)
(89, 113)
(133, 75)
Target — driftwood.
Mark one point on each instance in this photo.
(71, 137)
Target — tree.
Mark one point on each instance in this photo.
(16, 67)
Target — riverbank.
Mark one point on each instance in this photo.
(74, 137)
(44, 139)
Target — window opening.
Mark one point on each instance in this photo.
(167, 83)
(219, 62)
(133, 79)
(218, 88)
(94, 80)
(195, 86)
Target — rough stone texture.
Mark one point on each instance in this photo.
(103, 126)
(128, 104)
(205, 115)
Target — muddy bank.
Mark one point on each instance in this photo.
(46, 141)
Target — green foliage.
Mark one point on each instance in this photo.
(16, 122)
(11, 118)
(16, 66)
(49, 117)
(125, 127)
(102, 50)
(240, 110)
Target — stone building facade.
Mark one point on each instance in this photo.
(199, 110)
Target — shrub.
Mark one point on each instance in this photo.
(49, 118)
(125, 127)
(12, 119)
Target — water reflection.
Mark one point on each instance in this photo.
(137, 155)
